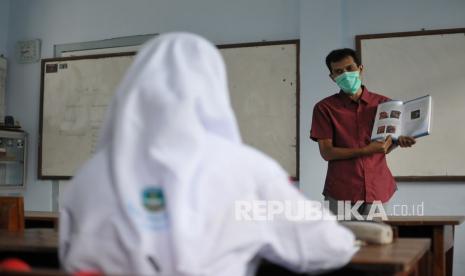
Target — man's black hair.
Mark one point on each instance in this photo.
(340, 54)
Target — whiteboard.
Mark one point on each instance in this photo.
(405, 66)
(76, 91)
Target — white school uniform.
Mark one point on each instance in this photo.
(159, 195)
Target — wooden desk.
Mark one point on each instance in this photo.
(440, 229)
(401, 258)
(34, 272)
(37, 247)
(35, 219)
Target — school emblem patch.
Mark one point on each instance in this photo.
(153, 199)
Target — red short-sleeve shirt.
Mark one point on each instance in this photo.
(349, 124)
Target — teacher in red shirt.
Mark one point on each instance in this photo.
(342, 125)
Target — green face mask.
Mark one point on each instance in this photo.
(349, 82)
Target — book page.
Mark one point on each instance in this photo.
(417, 117)
(388, 120)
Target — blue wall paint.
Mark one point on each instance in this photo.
(367, 17)
(320, 30)
(59, 22)
(322, 24)
(4, 20)
(329, 24)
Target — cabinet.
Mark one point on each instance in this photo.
(13, 159)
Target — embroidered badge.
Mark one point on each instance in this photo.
(153, 199)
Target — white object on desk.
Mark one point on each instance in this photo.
(371, 232)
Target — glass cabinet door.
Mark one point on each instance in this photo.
(12, 159)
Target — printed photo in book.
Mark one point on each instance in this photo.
(398, 118)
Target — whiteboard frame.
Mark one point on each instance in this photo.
(294, 177)
(358, 43)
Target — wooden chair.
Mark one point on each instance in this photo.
(12, 213)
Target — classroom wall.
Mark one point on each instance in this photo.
(321, 24)
(330, 24)
(59, 22)
(4, 18)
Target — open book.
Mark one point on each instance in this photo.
(398, 118)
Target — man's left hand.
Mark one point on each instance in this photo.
(406, 141)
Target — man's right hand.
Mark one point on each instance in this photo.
(378, 146)
(330, 152)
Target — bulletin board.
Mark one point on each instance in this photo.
(263, 79)
(408, 65)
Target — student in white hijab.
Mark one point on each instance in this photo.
(158, 197)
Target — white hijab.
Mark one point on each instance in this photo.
(158, 197)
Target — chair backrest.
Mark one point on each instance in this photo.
(11, 213)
